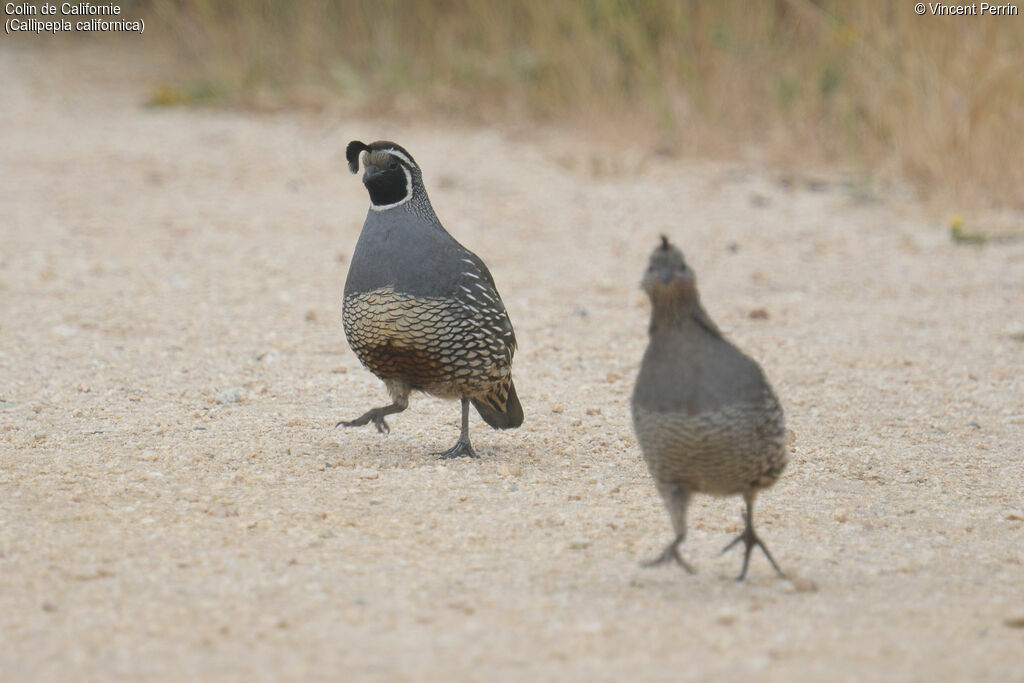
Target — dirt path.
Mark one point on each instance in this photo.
(176, 504)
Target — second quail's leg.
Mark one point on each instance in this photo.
(750, 539)
(377, 415)
(462, 447)
(670, 554)
(676, 500)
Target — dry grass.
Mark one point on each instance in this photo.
(932, 100)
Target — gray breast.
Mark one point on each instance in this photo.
(729, 450)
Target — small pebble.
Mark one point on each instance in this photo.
(804, 585)
(726, 616)
(232, 395)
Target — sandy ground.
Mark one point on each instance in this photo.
(176, 504)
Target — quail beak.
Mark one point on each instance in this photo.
(666, 275)
(369, 170)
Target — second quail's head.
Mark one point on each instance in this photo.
(668, 278)
(390, 174)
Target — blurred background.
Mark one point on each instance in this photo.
(935, 103)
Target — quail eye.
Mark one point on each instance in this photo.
(392, 164)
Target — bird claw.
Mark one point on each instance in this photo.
(381, 425)
(670, 554)
(461, 449)
(751, 539)
(376, 416)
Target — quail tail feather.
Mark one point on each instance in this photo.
(501, 408)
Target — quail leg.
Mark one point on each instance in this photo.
(670, 554)
(462, 447)
(377, 415)
(677, 499)
(750, 539)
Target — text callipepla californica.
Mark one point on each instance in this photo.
(705, 416)
(420, 310)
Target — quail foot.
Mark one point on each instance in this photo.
(421, 311)
(705, 416)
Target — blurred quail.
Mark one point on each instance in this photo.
(705, 416)
(420, 310)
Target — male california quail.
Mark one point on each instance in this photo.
(420, 310)
(705, 416)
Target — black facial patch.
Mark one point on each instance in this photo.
(388, 183)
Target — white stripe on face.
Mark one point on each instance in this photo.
(407, 160)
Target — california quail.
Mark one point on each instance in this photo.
(420, 310)
(705, 416)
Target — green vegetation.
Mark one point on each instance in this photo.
(936, 101)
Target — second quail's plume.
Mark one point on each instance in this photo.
(705, 416)
(420, 310)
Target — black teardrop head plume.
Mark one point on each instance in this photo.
(665, 246)
(352, 154)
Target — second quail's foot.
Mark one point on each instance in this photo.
(750, 539)
(461, 449)
(376, 416)
(670, 554)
